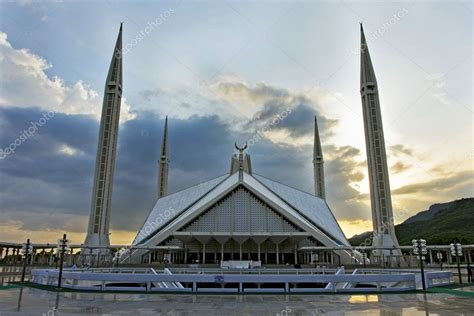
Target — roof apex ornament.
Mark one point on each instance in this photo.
(240, 149)
(241, 155)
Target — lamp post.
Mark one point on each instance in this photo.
(456, 250)
(62, 248)
(26, 250)
(419, 249)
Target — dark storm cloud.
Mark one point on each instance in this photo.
(343, 167)
(299, 123)
(40, 179)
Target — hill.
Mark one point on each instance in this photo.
(439, 225)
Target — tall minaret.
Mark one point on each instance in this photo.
(99, 220)
(163, 164)
(318, 164)
(380, 197)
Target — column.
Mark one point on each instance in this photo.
(240, 251)
(185, 254)
(258, 250)
(266, 253)
(203, 253)
(33, 255)
(222, 252)
(296, 254)
(6, 255)
(17, 251)
(278, 253)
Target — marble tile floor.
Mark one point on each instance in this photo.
(30, 301)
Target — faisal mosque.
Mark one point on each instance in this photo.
(240, 215)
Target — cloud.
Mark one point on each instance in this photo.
(268, 102)
(399, 167)
(235, 90)
(445, 185)
(400, 150)
(344, 169)
(49, 177)
(24, 83)
(52, 172)
(24, 3)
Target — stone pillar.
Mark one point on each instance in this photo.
(50, 258)
(266, 253)
(203, 253)
(296, 254)
(278, 253)
(33, 256)
(450, 258)
(258, 250)
(185, 253)
(6, 254)
(17, 251)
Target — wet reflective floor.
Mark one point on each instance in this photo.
(31, 301)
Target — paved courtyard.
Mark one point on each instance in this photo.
(30, 301)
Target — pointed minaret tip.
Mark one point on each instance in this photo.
(367, 74)
(318, 162)
(163, 163)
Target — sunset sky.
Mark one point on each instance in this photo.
(221, 71)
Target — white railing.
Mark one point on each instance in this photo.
(252, 271)
(113, 280)
(432, 278)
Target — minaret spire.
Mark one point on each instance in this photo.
(380, 196)
(99, 220)
(318, 164)
(163, 164)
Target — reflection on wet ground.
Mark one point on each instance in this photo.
(30, 301)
